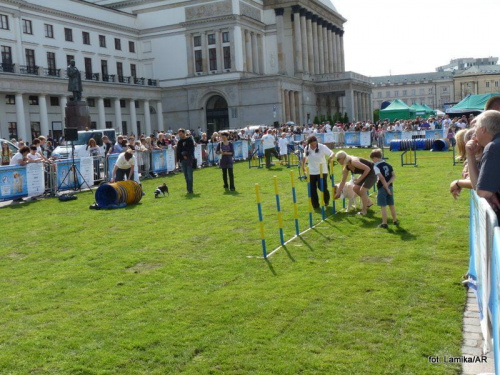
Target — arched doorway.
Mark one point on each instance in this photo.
(217, 114)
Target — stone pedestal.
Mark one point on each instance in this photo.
(77, 115)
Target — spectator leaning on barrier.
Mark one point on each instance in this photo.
(21, 157)
(488, 136)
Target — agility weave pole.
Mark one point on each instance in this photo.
(278, 210)
(261, 221)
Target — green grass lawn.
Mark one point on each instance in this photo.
(176, 285)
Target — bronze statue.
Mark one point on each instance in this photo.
(75, 81)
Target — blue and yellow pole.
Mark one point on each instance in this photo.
(278, 209)
(334, 191)
(261, 221)
(295, 211)
(322, 185)
(309, 198)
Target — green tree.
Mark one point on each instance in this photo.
(316, 119)
(376, 115)
(345, 120)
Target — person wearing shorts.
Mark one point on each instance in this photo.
(363, 183)
(385, 195)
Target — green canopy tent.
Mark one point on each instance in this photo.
(470, 104)
(429, 110)
(420, 110)
(397, 110)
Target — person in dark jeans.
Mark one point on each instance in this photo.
(185, 157)
(226, 150)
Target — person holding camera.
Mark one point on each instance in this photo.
(185, 157)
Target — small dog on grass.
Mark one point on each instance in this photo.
(162, 189)
(349, 194)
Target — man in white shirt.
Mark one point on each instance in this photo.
(268, 144)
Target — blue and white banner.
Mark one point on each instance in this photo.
(159, 158)
(213, 158)
(198, 155)
(389, 136)
(170, 159)
(13, 182)
(87, 169)
(433, 134)
(352, 139)
(238, 150)
(67, 178)
(495, 297)
(365, 139)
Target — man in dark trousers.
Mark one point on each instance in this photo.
(185, 157)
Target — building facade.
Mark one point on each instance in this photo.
(159, 64)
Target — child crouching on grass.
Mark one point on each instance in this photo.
(386, 177)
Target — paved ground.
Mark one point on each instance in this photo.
(473, 341)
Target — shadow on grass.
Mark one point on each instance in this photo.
(305, 242)
(229, 192)
(403, 233)
(271, 268)
(288, 253)
(17, 205)
(192, 196)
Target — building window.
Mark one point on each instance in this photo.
(102, 41)
(109, 125)
(104, 68)
(396, 93)
(496, 83)
(227, 57)
(35, 129)
(49, 30)
(421, 91)
(119, 69)
(212, 57)
(414, 92)
(33, 100)
(118, 44)
(444, 89)
(123, 103)
(51, 63)
(487, 84)
(107, 103)
(69, 58)
(137, 105)
(387, 94)
(7, 59)
(54, 101)
(88, 68)
(13, 130)
(86, 37)
(4, 22)
(91, 102)
(379, 94)
(124, 127)
(430, 91)
(405, 93)
(197, 41)
(131, 47)
(30, 58)
(133, 70)
(211, 39)
(10, 99)
(225, 37)
(198, 61)
(93, 125)
(68, 35)
(27, 27)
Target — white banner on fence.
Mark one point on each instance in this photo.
(328, 137)
(244, 150)
(35, 179)
(365, 139)
(87, 170)
(198, 156)
(170, 159)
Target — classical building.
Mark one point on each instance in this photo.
(450, 83)
(156, 64)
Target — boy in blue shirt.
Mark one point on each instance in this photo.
(386, 177)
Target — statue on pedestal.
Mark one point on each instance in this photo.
(75, 81)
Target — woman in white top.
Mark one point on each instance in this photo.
(314, 155)
(124, 167)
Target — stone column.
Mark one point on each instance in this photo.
(342, 56)
(321, 49)
(330, 48)
(260, 48)
(17, 31)
(218, 46)
(133, 118)
(101, 124)
(190, 55)
(360, 106)
(298, 116)
(248, 48)
(21, 120)
(314, 26)
(159, 115)
(287, 105)
(337, 42)
(310, 53)
(297, 39)
(292, 105)
(118, 115)
(44, 118)
(335, 51)
(204, 53)
(280, 39)
(303, 31)
(283, 102)
(326, 56)
(255, 53)
(147, 117)
(63, 101)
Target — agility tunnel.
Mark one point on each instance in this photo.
(411, 144)
(440, 145)
(118, 194)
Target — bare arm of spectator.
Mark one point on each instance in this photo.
(472, 147)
